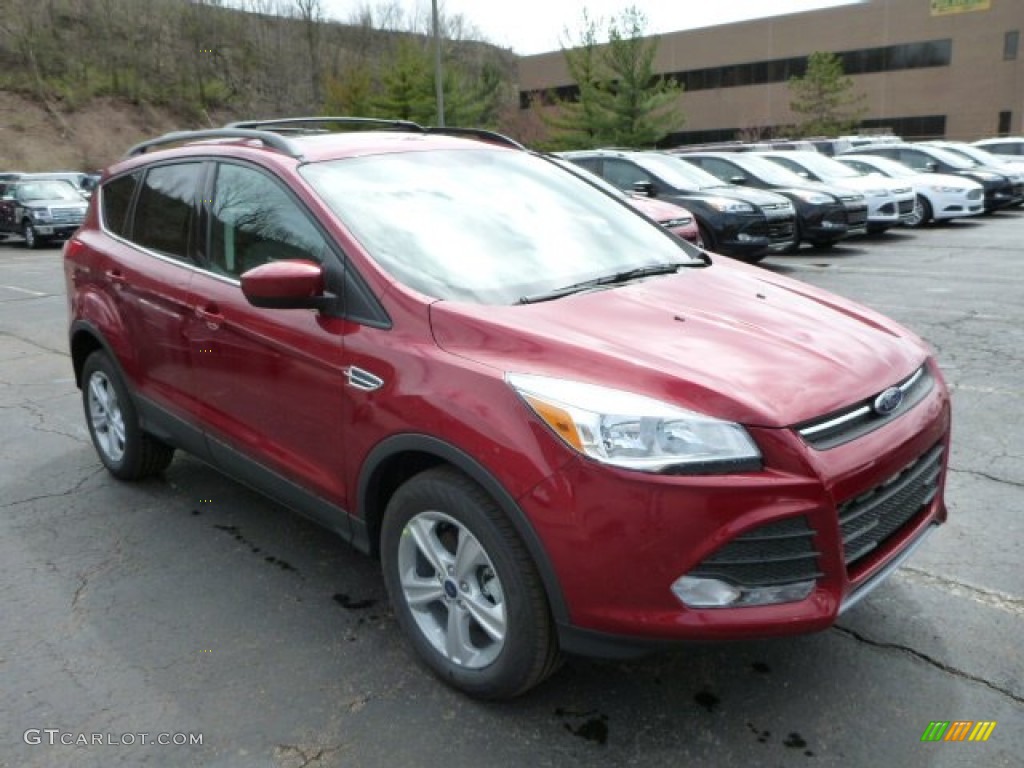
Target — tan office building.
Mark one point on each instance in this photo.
(928, 69)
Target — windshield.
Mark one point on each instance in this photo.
(820, 165)
(677, 172)
(487, 226)
(952, 158)
(884, 165)
(768, 171)
(978, 155)
(48, 190)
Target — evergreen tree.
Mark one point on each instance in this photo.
(824, 98)
(620, 101)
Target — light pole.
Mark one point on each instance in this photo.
(438, 76)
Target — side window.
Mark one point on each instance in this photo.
(721, 169)
(862, 167)
(253, 221)
(624, 175)
(592, 164)
(115, 197)
(165, 212)
(789, 165)
(916, 160)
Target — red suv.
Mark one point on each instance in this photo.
(560, 427)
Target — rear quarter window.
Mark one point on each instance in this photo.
(116, 199)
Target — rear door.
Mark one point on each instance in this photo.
(150, 227)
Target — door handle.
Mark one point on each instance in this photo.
(116, 276)
(210, 314)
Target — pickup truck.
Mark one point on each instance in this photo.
(40, 210)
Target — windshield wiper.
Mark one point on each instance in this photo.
(616, 278)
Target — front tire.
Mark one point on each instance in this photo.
(922, 212)
(464, 588)
(29, 233)
(125, 450)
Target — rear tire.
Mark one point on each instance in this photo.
(464, 588)
(125, 450)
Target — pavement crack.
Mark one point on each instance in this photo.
(987, 476)
(84, 577)
(930, 661)
(37, 345)
(289, 755)
(988, 597)
(61, 494)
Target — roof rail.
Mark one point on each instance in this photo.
(281, 123)
(296, 125)
(268, 138)
(270, 132)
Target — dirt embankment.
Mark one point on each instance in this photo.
(34, 138)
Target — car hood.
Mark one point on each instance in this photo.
(56, 203)
(943, 180)
(731, 341)
(748, 194)
(659, 210)
(865, 183)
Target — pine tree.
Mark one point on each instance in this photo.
(824, 98)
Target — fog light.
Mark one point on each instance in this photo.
(698, 592)
(703, 592)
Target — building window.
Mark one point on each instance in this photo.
(1010, 43)
(1004, 122)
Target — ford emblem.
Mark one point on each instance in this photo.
(888, 401)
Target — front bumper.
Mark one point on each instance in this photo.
(618, 540)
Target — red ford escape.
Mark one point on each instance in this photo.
(560, 427)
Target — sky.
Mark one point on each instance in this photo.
(537, 26)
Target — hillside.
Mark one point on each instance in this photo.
(82, 80)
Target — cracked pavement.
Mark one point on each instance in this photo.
(124, 608)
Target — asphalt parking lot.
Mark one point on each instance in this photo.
(189, 606)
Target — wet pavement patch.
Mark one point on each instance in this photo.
(594, 728)
(236, 534)
(762, 736)
(760, 667)
(353, 605)
(708, 700)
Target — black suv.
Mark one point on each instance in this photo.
(742, 223)
(40, 209)
(824, 213)
(1000, 190)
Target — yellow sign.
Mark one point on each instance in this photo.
(946, 7)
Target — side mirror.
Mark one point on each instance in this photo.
(287, 284)
(931, 166)
(738, 180)
(644, 188)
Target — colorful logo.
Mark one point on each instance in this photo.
(958, 730)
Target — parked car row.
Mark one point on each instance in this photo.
(870, 186)
(40, 208)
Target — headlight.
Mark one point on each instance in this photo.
(40, 214)
(673, 223)
(949, 190)
(987, 176)
(877, 192)
(636, 432)
(814, 198)
(725, 205)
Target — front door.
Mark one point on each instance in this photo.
(269, 383)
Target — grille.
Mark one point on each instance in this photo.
(857, 217)
(859, 419)
(774, 554)
(777, 207)
(780, 231)
(66, 215)
(870, 519)
(906, 207)
(975, 194)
